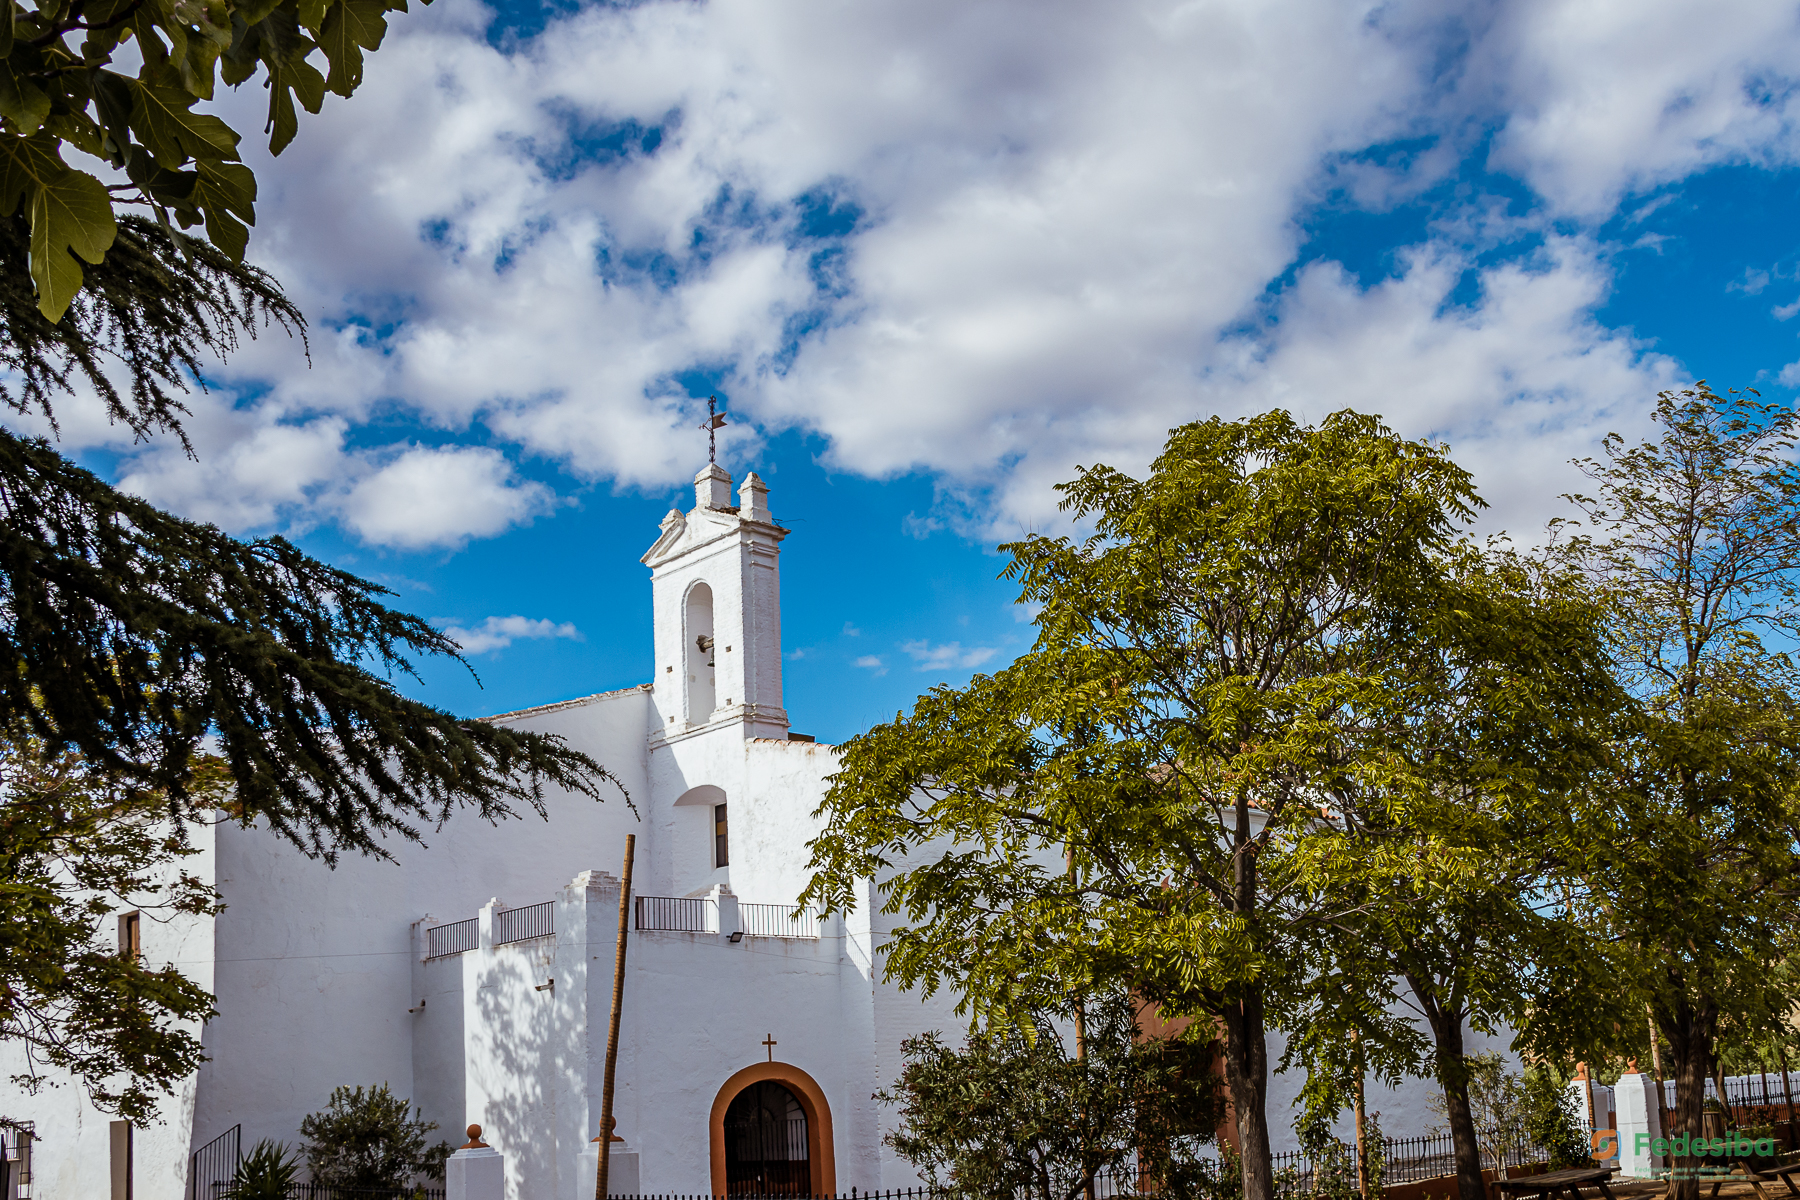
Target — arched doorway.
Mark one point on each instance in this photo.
(819, 1175)
(765, 1143)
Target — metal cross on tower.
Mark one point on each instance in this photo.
(715, 420)
(769, 1041)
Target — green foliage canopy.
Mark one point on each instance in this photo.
(1692, 546)
(1226, 670)
(1016, 1113)
(60, 90)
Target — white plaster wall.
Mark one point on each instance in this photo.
(316, 966)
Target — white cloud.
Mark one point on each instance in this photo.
(441, 496)
(1604, 98)
(1070, 217)
(947, 656)
(873, 663)
(1785, 312)
(497, 633)
(1790, 375)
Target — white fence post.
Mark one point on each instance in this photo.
(1640, 1124)
(475, 1172)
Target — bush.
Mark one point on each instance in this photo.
(365, 1139)
(265, 1173)
(1550, 1124)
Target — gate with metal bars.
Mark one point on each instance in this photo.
(211, 1169)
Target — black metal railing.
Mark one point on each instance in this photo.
(454, 938)
(779, 920)
(325, 1191)
(1746, 1091)
(211, 1169)
(517, 924)
(676, 914)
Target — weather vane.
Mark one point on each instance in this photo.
(715, 420)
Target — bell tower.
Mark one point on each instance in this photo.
(715, 585)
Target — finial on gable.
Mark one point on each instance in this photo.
(753, 500)
(712, 487)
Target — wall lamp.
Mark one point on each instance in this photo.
(546, 987)
(735, 938)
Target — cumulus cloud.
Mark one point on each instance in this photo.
(872, 663)
(988, 241)
(497, 633)
(430, 496)
(1602, 98)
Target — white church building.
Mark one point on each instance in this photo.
(474, 975)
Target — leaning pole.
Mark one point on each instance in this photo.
(612, 1030)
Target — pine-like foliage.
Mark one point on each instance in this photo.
(132, 636)
(155, 307)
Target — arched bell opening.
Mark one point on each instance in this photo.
(702, 691)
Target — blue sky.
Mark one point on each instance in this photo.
(934, 255)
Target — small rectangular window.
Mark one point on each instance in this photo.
(131, 937)
(721, 853)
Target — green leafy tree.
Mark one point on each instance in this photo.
(1440, 869)
(60, 90)
(1692, 543)
(1232, 654)
(1549, 1122)
(76, 847)
(370, 1138)
(1019, 1112)
(266, 1173)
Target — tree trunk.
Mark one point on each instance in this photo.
(1689, 1029)
(1447, 1032)
(1247, 1075)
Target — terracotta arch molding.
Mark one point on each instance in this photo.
(823, 1165)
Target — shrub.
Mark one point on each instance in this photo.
(366, 1139)
(265, 1173)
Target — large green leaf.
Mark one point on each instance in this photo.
(164, 118)
(71, 214)
(222, 190)
(351, 27)
(22, 102)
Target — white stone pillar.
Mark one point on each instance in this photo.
(475, 1172)
(622, 1177)
(1640, 1124)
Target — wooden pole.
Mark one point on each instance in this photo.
(612, 1030)
(1662, 1109)
(1362, 1155)
(1787, 1094)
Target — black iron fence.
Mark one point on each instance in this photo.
(458, 937)
(212, 1165)
(779, 920)
(324, 1191)
(673, 914)
(518, 924)
(1746, 1091)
